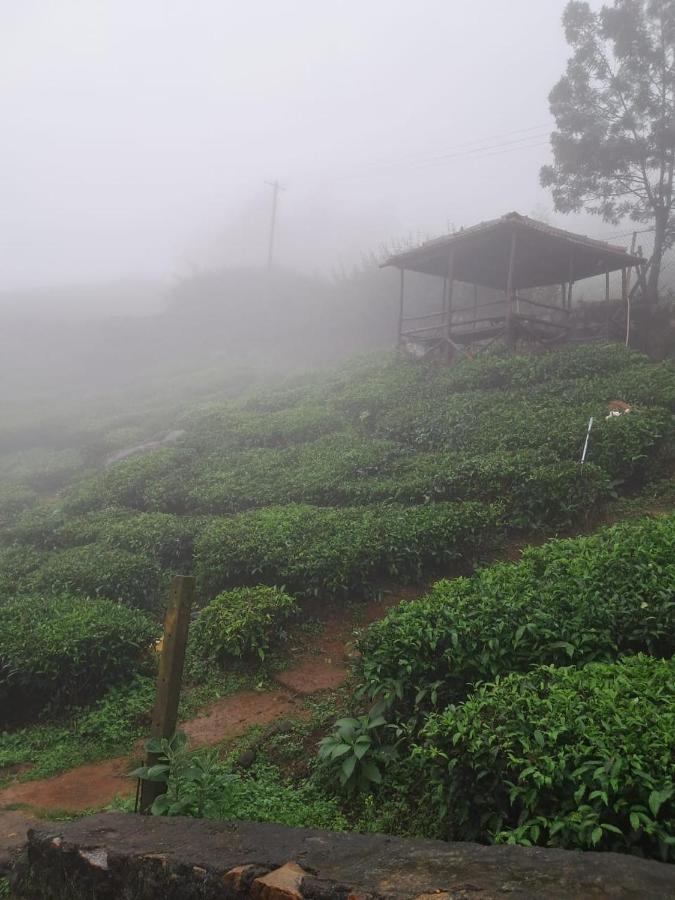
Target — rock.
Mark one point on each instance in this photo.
(118, 856)
(284, 883)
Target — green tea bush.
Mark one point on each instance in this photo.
(165, 538)
(570, 601)
(96, 570)
(329, 551)
(534, 494)
(17, 567)
(320, 472)
(240, 623)
(57, 651)
(579, 758)
(153, 482)
(14, 499)
(41, 468)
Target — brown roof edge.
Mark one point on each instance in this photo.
(515, 218)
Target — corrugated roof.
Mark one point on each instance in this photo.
(544, 254)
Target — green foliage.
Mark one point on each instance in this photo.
(562, 757)
(17, 566)
(199, 784)
(97, 570)
(40, 468)
(165, 538)
(240, 623)
(618, 164)
(328, 551)
(569, 601)
(354, 753)
(14, 499)
(60, 651)
(106, 727)
(155, 481)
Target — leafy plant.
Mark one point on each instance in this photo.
(328, 551)
(569, 601)
(240, 623)
(96, 570)
(195, 784)
(354, 753)
(60, 651)
(199, 784)
(564, 757)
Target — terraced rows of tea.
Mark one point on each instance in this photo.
(329, 488)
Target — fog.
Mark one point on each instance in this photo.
(138, 145)
(137, 137)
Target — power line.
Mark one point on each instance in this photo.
(466, 149)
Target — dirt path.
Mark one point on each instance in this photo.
(322, 667)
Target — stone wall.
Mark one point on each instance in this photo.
(115, 856)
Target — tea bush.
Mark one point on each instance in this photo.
(57, 651)
(165, 538)
(240, 623)
(563, 757)
(154, 482)
(40, 468)
(332, 552)
(570, 601)
(14, 499)
(96, 570)
(17, 567)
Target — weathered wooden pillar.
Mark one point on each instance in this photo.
(510, 329)
(400, 309)
(626, 302)
(450, 278)
(165, 709)
(607, 316)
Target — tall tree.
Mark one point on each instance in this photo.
(614, 147)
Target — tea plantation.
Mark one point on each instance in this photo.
(473, 703)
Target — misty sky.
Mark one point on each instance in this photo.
(137, 134)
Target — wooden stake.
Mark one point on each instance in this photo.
(165, 709)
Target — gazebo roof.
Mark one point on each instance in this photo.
(544, 255)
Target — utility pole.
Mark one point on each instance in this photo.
(276, 187)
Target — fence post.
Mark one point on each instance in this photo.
(165, 709)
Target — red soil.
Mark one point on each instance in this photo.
(324, 668)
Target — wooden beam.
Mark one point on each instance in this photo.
(510, 336)
(448, 322)
(165, 709)
(400, 307)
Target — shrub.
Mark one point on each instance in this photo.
(334, 552)
(17, 565)
(97, 570)
(569, 601)
(14, 499)
(154, 482)
(166, 538)
(41, 468)
(240, 623)
(63, 650)
(574, 758)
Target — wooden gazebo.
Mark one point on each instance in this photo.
(505, 257)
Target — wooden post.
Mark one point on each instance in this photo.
(448, 320)
(400, 309)
(626, 302)
(570, 285)
(607, 316)
(510, 334)
(165, 709)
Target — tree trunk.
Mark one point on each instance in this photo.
(660, 223)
